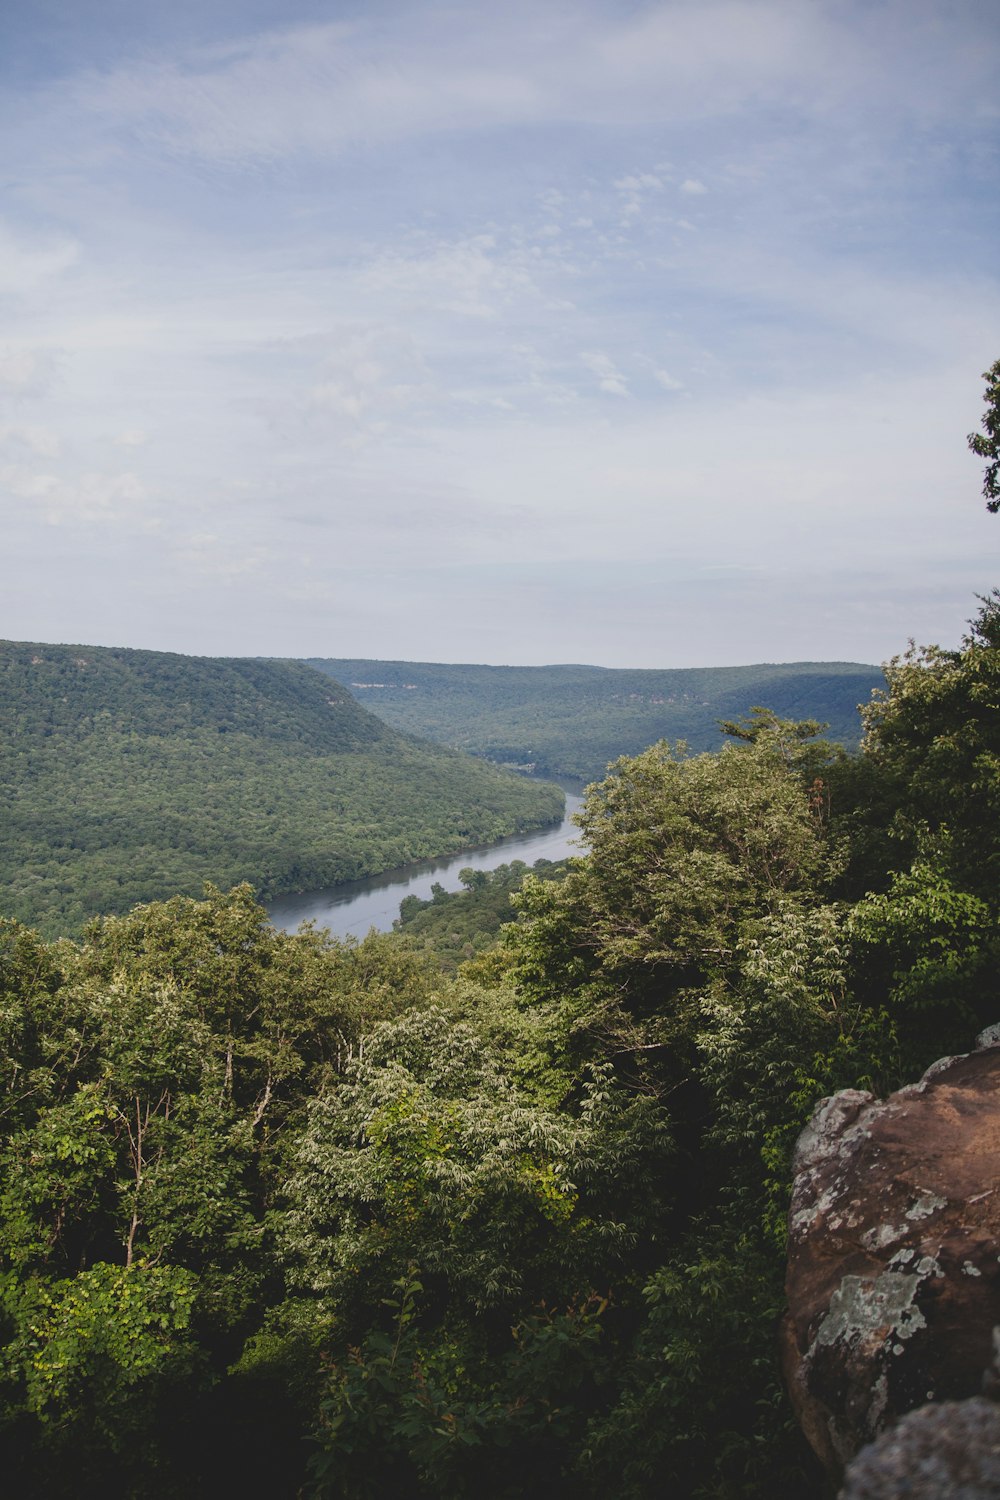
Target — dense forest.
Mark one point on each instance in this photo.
(286, 1216)
(452, 926)
(131, 775)
(572, 721)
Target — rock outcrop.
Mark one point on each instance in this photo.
(951, 1449)
(894, 1237)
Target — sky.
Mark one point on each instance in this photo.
(638, 334)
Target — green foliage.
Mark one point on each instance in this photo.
(934, 738)
(456, 926)
(572, 721)
(428, 1153)
(285, 1215)
(701, 1410)
(786, 1029)
(430, 1185)
(929, 940)
(987, 443)
(684, 851)
(686, 854)
(130, 775)
(156, 1078)
(93, 1351)
(399, 1416)
(932, 951)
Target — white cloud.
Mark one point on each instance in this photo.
(92, 498)
(336, 281)
(634, 187)
(28, 261)
(368, 378)
(465, 276)
(26, 371)
(308, 89)
(637, 182)
(609, 378)
(42, 441)
(217, 557)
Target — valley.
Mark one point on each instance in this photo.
(135, 775)
(571, 721)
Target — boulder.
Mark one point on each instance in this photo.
(951, 1449)
(893, 1279)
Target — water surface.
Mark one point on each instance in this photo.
(358, 905)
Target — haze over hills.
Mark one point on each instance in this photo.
(572, 720)
(133, 775)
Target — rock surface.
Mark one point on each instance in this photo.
(894, 1235)
(948, 1450)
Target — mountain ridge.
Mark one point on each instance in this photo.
(131, 775)
(573, 720)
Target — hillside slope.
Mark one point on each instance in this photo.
(573, 720)
(132, 775)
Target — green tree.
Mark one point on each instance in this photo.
(685, 852)
(155, 1078)
(448, 1237)
(429, 1153)
(933, 740)
(987, 443)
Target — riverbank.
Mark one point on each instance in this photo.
(354, 907)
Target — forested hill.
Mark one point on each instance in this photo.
(282, 1216)
(573, 720)
(133, 775)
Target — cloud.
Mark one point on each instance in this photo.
(415, 282)
(638, 182)
(609, 378)
(318, 89)
(217, 557)
(633, 188)
(42, 441)
(369, 378)
(464, 276)
(93, 498)
(27, 261)
(25, 371)
(305, 89)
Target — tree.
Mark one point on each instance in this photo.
(933, 737)
(491, 1226)
(987, 443)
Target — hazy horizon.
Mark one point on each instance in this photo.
(412, 661)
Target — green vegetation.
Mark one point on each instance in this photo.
(987, 443)
(453, 926)
(132, 775)
(572, 721)
(284, 1216)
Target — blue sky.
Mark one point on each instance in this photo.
(637, 334)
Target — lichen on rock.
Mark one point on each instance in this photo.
(893, 1277)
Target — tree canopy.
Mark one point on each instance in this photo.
(573, 720)
(282, 1215)
(987, 442)
(134, 775)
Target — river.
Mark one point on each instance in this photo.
(357, 905)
